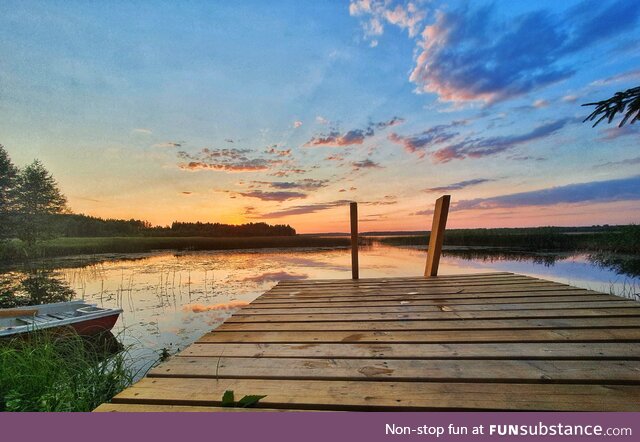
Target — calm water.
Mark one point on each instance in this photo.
(170, 299)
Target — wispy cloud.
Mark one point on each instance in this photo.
(304, 209)
(273, 150)
(625, 189)
(425, 212)
(611, 133)
(273, 196)
(633, 75)
(318, 207)
(336, 138)
(365, 164)
(627, 162)
(431, 137)
(459, 185)
(169, 144)
(482, 147)
(230, 160)
(308, 184)
(378, 12)
(297, 124)
(287, 172)
(142, 130)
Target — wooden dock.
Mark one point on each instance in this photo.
(494, 341)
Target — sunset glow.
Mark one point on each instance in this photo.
(283, 112)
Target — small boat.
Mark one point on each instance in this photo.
(86, 319)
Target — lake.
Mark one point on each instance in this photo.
(172, 298)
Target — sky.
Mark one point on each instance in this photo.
(285, 111)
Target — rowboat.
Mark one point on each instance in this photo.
(86, 319)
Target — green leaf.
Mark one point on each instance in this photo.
(249, 401)
(227, 399)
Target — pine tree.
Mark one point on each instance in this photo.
(38, 198)
(8, 191)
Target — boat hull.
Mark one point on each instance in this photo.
(77, 317)
(94, 326)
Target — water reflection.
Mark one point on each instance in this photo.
(170, 299)
(33, 287)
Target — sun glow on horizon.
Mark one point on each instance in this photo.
(283, 113)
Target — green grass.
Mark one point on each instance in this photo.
(620, 239)
(15, 250)
(44, 373)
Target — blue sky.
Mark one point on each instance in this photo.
(284, 111)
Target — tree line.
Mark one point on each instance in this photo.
(32, 208)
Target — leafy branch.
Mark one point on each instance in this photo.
(628, 100)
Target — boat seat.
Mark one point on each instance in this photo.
(57, 315)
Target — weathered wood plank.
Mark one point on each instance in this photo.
(436, 301)
(274, 300)
(443, 307)
(443, 315)
(523, 350)
(614, 372)
(404, 278)
(422, 282)
(478, 284)
(360, 395)
(353, 212)
(442, 290)
(150, 408)
(515, 335)
(467, 324)
(436, 235)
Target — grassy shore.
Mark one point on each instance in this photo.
(619, 239)
(13, 251)
(47, 373)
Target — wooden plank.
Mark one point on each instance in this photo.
(267, 300)
(360, 283)
(461, 336)
(449, 294)
(353, 211)
(441, 307)
(443, 315)
(437, 301)
(385, 395)
(16, 312)
(602, 371)
(407, 284)
(396, 278)
(435, 290)
(149, 408)
(436, 236)
(476, 351)
(468, 324)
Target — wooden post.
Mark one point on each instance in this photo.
(354, 241)
(436, 238)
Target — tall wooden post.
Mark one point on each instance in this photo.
(436, 238)
(355, 274)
